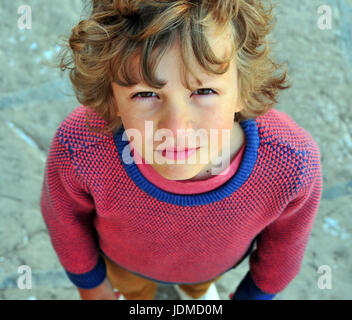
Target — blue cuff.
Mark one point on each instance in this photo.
(247, 290)
(90, 279)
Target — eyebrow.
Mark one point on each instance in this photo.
(192, 83)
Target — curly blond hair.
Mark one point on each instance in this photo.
(101, 46)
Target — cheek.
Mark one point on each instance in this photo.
(219, 130)
(135, 134)
(219, 121)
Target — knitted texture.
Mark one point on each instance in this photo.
(93, 201)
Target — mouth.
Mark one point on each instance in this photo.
(175, 154)
(179, 149)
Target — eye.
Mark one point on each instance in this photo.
(205, 91)
(143, 95)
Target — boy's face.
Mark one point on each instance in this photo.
(174, 108)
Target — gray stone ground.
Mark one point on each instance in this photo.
(33, 104)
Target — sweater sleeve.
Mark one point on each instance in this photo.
(278, 257)
(68, 211)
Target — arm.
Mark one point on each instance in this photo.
(68, 211)
(248, 290)
(104, 291)
(281, 245)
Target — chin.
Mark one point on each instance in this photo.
(175, 172)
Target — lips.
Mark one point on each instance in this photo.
(177, 149)
(180, 154)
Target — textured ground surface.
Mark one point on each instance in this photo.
(32, 105)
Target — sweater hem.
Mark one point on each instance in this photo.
(90, 279)
(248, 290)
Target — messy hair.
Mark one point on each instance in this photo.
(101, 46)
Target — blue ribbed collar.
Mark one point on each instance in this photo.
(246, 166)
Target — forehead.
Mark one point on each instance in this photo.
(220, 41)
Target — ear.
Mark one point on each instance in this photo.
(114, 91)
(239, 105)
(117, 111)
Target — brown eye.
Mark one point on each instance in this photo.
(205, 91)
(144, 95)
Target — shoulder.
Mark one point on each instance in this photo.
(291, 144)
(74, 133)
(277, 127)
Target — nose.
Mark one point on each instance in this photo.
(177, 117)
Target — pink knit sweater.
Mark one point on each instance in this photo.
(182, 232)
